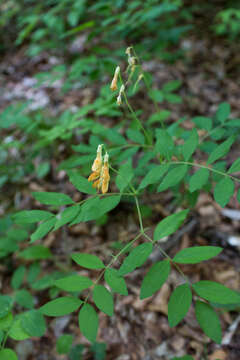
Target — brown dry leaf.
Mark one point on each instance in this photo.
(197, 346)
(160, 302)
(81, 228)
(218, 354)
(227, 276)
(177, 343)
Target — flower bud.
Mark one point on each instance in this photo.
(105, 177)
(113, 85)
(98, 161)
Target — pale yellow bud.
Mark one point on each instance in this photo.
(119, 99)
(122, 88)
(96, 167)
(105, 177)
(106, 157)
(113, 85)
(131, 60)
(128, 50)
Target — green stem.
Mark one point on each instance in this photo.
(211, 132)
(136, 118)
(163, 252)
(139, 214)
(134, 192)
(154, 243)
(157, 109)
(204, 167)
(115, 258)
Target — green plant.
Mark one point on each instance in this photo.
(228, 23)
(165, 160)
(54, 25)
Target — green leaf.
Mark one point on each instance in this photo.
(61, 306)
(127, 154)
(124, 176)
(89, 211)
(64, 343)
(179, 304)
(173, 177)
(18, 277)
(136, 258)
(218, 134)
(6, 321)
(67, 215)
(24, 298)
(203, 122)
(52, 198)
(36, 252)
(88, 322)
(43, 229)
(16, 331)
(73, 283)
(155, 278)
(196, 254)
(171, 86)
(154, 175)
(99, 350)
(76, 352)
(221, 150)
(95, 208)
(223, 191)
(43, 283)
(108, 203)
(216, 293)
(198, 179)
(88, 261)
(33, 272)
(208, 321)
(235, 167)
(159, 117)
(31, 216)
(223, 112)
(5, 305)
(103, 299)
(33, 323)
(169, 225)
(116, 282)
(113, 136)
(164, 144)
(136, 136)
(8, 354)
(80, 182)
(156, 95)
(173, 98)
(190, 145)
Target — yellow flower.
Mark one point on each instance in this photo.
(105, 177)
(100, 172)
(97, 164)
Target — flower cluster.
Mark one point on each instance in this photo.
(132, 61)
(100, 171)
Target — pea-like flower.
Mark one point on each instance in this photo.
(100, 172)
